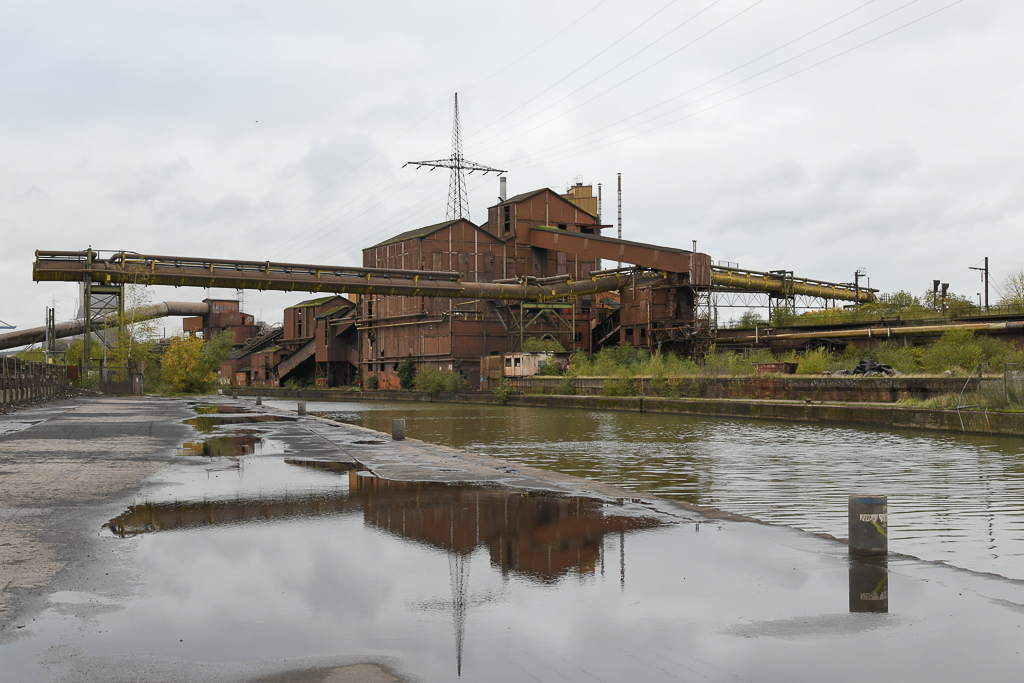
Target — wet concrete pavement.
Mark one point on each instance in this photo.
(308, 550)
(58, 462)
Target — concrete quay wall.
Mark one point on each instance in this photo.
(22, 380)
(785, 387)
(964, 422)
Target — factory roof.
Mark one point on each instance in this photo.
(533, 193)
(314, 302)
(420, 232)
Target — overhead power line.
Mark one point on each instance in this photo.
(707, 82)
(556, 157)
(527, 54)
(632, 56)
(574, 71)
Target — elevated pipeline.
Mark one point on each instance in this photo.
(73, 328)
(881, 332)
(753, 281)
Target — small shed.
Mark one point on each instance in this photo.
(524, 364)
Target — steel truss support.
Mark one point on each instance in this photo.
(518, 319)
(730, 299)
(99, 303)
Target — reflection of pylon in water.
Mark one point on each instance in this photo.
(458, 567)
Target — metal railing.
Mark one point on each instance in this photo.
(24, 380)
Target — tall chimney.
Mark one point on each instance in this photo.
(597, 262)
(620, 212)
(502, 196)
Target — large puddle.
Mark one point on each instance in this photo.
(208, 423)
(952, 498)
(285, 558)
(537, 535)
(300, 557)
(234, 444)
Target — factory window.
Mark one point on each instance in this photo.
(629, 336)
(369, 308)
(508, 362)
(579, 337)
(561, 226)
(508, 218)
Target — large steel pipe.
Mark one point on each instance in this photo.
(758, 282)
(143, 270)
(880, 332)
(72, 328)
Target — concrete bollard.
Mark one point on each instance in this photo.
(259, 400)
(398, 430)
(301, 409)
(869, 526)
(234, 393)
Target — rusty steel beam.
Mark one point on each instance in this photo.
(696, 264)
(753, 281)
(645, 255)
(129, 268)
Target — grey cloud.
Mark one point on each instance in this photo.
(146, 185)
(135, 124)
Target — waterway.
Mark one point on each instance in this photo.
(265, 551)
(954, 499)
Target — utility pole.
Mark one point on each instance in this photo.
(51, 333)
(458, 200)
(984, 278)
(87, 309)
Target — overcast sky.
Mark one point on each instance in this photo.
(814, 136)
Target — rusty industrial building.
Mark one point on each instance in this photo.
(454, 334)
(455, 294)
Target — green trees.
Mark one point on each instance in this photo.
(1013, 289)
(190, 364)
(504, 391)
(407, 373)
(540, 344)
(432, 382)
(134, 337)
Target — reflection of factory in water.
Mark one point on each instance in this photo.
(541, 536)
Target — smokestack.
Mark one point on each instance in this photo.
(502, 196)
(620, 212)
(599, 203)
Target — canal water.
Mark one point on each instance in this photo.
(952, 498)
(263, 550)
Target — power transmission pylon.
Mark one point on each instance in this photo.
(458, 201)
